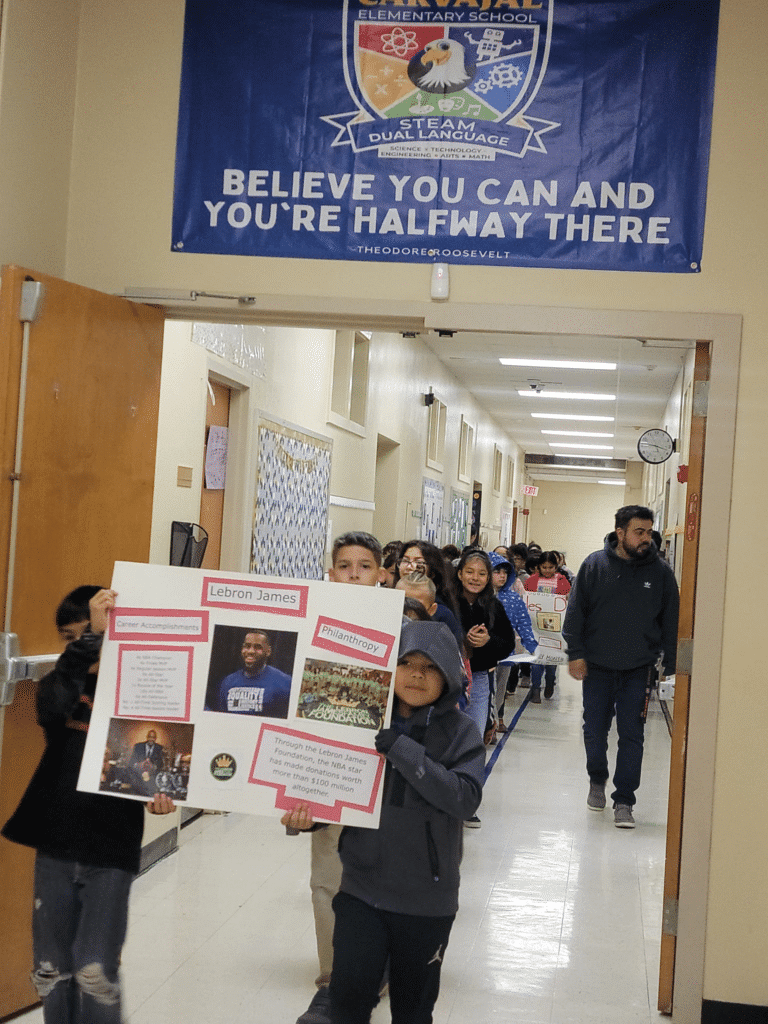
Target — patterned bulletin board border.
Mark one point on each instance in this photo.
(291, 509)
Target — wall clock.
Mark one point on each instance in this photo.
(655, 446)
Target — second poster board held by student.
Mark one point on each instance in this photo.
(547, 613)
(244, 693)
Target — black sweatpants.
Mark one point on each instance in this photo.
(363, 940)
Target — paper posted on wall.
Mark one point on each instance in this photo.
(244, 693)
(547, 613)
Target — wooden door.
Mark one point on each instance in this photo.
(683, 681)
(212, 501)
(85, 501)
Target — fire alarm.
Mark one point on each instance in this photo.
(682, 475)
(526, 511)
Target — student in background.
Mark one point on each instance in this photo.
(517, 613)
(518, 556)
(356, 559)
(563, 568)
(419, 587)
(415, 610)
(390, 556)
(546, 580)
(489, 633)
(421, 556)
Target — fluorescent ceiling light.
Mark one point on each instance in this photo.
(575, 455)
(575, 433)
(562, 364)
(577, 396)
(594, 447)
(588, 469)
(566, 416)
(615, 483)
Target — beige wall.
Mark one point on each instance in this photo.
(402, 370)
(573, 517)
(38, 52)
(118, 234)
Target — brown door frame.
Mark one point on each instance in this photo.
(683, 678)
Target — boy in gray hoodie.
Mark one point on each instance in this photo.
(400, 882)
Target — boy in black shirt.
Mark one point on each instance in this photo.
(88, 845)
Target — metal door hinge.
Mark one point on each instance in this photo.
(669, 916)
(14, 667)
(700, 398)
(684, 660)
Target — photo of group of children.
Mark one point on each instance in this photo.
(343, 694)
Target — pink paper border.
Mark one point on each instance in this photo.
(300, 612)
(161, 613)
(339, 648)
(333, 812)
(190, 652)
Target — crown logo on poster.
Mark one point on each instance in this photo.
(444, 80)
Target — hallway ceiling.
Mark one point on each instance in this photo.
(642, 382)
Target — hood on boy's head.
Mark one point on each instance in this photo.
(500, 562)
(437, 642)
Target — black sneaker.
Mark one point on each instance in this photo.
(319, 1010)
(473, 822)
(535, 697)
(549, 689)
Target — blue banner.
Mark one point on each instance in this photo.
(525, 133)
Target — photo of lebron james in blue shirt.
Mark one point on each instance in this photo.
(257, 688)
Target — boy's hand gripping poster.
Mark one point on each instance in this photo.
(244, 693)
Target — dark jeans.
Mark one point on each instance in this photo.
(363, 939)
(548, 671)
(621, 692)
(78, 927)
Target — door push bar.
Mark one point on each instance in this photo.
(15, 667)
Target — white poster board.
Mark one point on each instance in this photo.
(547, 613)
(260, 692)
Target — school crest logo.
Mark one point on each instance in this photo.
(444, 80)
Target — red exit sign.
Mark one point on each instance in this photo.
(533, 491)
